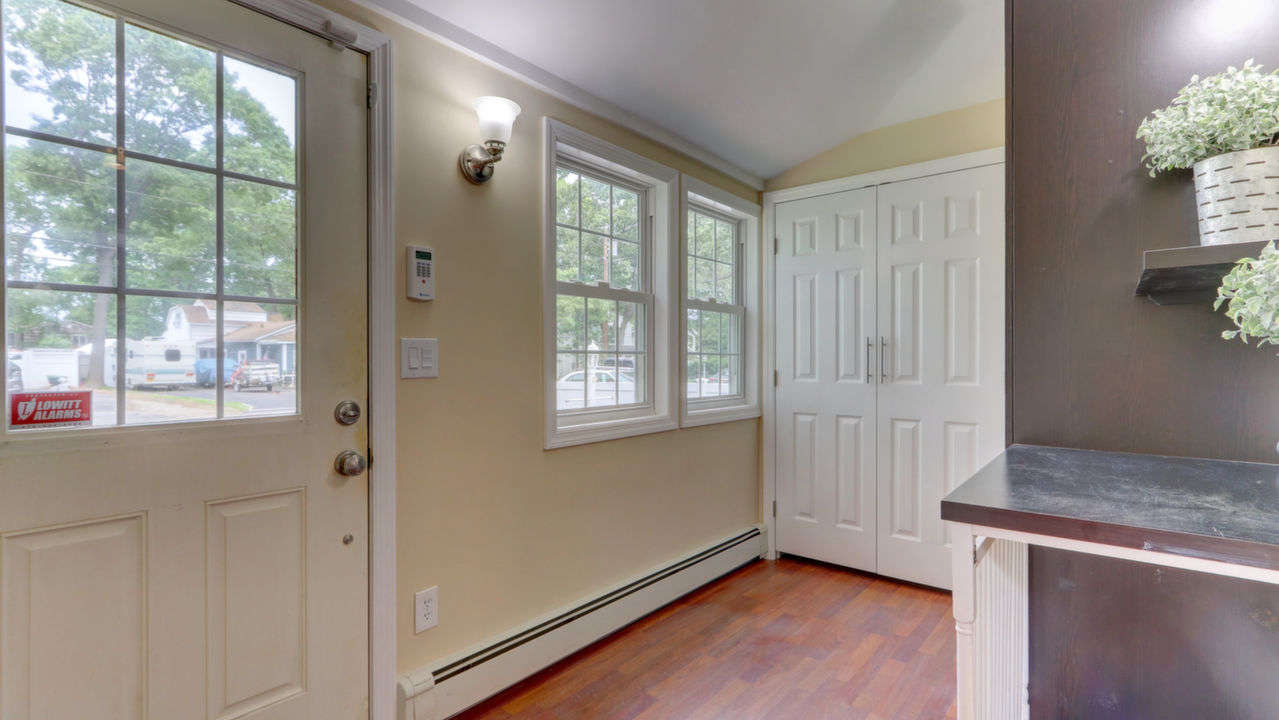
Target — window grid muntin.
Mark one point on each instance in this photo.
(641, 296)
(121, 290)
(736, 309)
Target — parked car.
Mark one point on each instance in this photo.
(607, 387)
(13, 378)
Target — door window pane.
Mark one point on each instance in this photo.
(171, 228)
(43, 330)
(159, 370)
(260, 222)
(59, 213)
(60, 74)
(260, 125)
(261, 366)
(170, 97)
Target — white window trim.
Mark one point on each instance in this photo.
(747, 406)
(661, 203)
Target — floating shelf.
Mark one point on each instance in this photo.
(1178, 276)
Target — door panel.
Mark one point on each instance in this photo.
(198, 569)
(49, 574)
(941, 310)
(825, 399)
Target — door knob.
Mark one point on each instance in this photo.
(347, 412)
(350, 463)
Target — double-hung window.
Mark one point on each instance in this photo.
(610, 279)
(720, 305)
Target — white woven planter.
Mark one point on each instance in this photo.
(1238, 196)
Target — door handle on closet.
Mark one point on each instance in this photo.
(883, 364)
(869, 344)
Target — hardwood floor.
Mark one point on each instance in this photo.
(778, 640)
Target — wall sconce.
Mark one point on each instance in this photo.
(497, 115)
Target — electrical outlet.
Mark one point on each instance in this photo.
(426, 608)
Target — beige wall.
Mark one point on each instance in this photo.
(969, 129)
(507, 530)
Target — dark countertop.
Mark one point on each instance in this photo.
(1213, 509)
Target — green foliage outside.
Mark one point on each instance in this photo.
(1250, 292)
(597, 241)
(1234, 110)
(61, 201)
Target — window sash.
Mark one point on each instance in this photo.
(648, 302)
(738, 249)
(739, 315)
(643, 228)
(737, 308)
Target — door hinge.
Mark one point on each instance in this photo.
(372, 95)
(776, 243)
(774, 508)
(774, 378)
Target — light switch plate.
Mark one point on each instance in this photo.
(419, 357)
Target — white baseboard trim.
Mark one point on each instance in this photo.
(454, 684)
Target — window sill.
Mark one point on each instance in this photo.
(695, 416)
(592, 432)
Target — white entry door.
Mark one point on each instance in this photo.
(825, 417)
(890, 357)
(185, 294)
(941, 320)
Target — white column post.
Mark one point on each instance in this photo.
(964, 598)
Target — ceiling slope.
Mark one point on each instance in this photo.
(752, 87)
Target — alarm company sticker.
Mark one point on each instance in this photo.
(50, 409)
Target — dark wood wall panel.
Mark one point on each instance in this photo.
(1124, 641)
(1091, 365)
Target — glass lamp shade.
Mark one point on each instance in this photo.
(497, 115)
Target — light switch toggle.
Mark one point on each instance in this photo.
(419, 357)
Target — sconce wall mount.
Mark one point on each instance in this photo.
(497, 116)
(478, 160)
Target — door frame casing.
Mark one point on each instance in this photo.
(965, 161)
(382, 356)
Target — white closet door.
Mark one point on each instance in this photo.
(825, 412)
(941, 319)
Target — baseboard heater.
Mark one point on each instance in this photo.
(458, 683)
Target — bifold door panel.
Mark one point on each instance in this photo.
(825, 393)
(890, 366)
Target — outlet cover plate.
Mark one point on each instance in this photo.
(426, 609)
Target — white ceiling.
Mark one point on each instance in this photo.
(763, 84)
